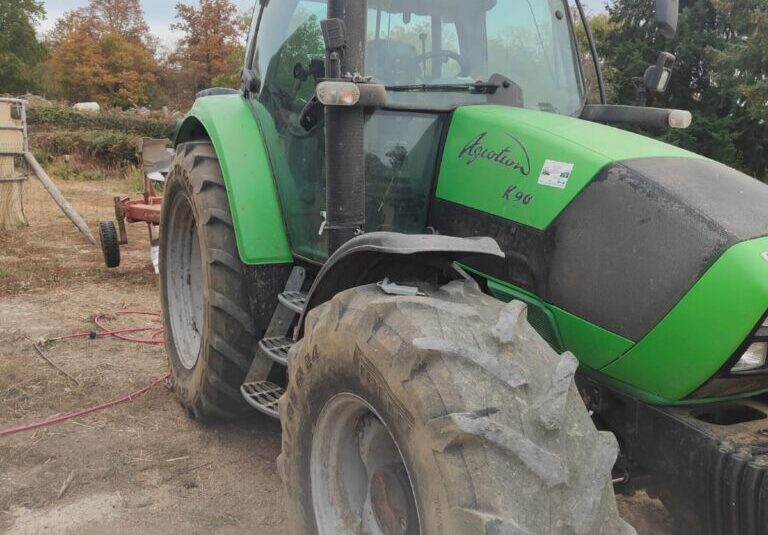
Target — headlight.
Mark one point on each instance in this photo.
(752, 359)
(746, 370)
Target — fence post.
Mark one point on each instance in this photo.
(13, 146)
(16, 156)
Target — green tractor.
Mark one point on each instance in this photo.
(475, 307)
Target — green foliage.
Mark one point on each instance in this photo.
(69, 170)
(720, 75)
(303, 45)
(106, 140)
(237, 57)
(103, 147)
(601, 26)
(19, 47)
(66, 118)
(84, 170)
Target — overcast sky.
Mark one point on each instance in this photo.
(160, 13)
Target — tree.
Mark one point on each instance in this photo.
(601, 27)
(232, 78)
(209, 46)
(19, 48)
(101, 53)
(76, 61)
(721, 74)
(120, 17)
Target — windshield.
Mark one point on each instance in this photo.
(420, 48)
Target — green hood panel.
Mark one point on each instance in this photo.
(494, 160)
(703, 330)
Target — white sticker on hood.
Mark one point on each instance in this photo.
(555, 174)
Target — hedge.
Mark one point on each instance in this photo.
(104, 146)
(127, 123)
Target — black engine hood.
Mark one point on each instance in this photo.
(630, 245)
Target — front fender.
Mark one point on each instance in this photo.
(229, 123)
(371, 257)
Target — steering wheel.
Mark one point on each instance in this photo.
(449, 54)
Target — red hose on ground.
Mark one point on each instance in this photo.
(154, 332)
(82, 412)
(120, 333)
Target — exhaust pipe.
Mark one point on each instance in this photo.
(344, 33)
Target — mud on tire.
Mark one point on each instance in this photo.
(492, 431)
(210, 332)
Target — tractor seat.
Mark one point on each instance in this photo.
(392, 62)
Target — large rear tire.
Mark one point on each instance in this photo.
(439, 414)
(210, 332)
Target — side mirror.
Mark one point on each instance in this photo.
(666, 17)
(656, 77)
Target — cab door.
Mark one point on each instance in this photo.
(285, 62)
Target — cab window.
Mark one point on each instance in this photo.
(400, 147)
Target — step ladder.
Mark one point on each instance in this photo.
(258, 392)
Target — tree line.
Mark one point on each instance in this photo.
(720, 73)
(105, 52)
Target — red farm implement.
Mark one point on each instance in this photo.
(155, 163)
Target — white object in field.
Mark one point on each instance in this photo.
(154, 254)
(87, 107)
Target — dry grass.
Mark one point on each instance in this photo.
(49, 252)
(141, 467)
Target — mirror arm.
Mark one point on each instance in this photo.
(637, 115)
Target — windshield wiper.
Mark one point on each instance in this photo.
(477, 87)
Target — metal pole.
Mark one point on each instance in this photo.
(58, 197)
(344, 144)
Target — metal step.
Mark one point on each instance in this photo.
(294, 301)
(276, 348)
(263, 396)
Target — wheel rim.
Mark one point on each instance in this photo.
(185, 283)
(360, 483)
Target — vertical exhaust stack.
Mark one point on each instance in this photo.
(344, 33)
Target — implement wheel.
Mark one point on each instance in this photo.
(110, 244)
(439, 414)
(210, 332)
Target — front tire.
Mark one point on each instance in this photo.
(438, 414)
(210, 332)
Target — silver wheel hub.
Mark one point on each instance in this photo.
(185, 284)
(360, 484)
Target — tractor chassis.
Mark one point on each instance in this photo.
(706, 462)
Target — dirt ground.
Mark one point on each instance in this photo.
(138, 468)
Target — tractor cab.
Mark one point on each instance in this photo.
(432, 56)
(446, 54)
